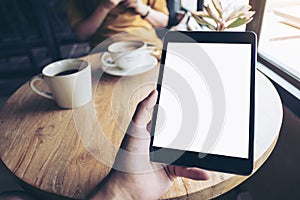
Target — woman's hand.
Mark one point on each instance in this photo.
(137, 5)
(155, 17)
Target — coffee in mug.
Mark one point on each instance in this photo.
(67, 72)
(69, 81)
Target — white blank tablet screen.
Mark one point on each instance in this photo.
(186, 99)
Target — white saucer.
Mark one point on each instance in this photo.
(149, 63)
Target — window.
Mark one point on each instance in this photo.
(279, 43)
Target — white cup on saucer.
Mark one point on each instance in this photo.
(125, 54)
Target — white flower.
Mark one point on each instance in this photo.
(226, 14)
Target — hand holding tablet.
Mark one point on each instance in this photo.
(205, 112)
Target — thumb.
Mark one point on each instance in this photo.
(137, 138)
(143, 110)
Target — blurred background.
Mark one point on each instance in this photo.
(33, 33)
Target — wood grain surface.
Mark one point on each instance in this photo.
(68, 152)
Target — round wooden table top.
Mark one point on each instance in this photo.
(68, 152)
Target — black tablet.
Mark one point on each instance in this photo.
(205, 109)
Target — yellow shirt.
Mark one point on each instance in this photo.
(119, 20)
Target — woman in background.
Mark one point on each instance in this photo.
(97, 20)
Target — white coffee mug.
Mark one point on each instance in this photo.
(125, 54)
(69, 81)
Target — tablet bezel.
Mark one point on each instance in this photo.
(213, 162)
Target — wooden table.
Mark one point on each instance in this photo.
(67, 152)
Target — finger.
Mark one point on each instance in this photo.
(130, 5)
(189, 172)
(143, 111)
(125, 4)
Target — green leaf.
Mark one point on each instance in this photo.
(238, 22)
